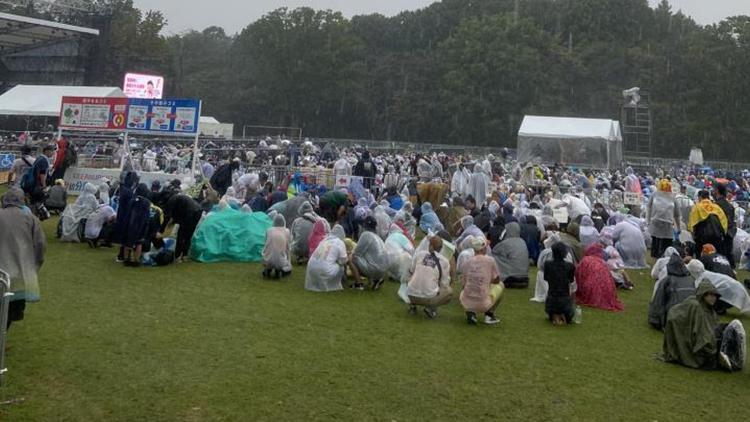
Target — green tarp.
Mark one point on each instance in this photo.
(230, 235)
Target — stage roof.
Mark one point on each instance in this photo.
(21, 33)
(46, 100)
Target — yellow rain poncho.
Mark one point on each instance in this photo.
(702, 210)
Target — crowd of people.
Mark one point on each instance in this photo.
(439, 224)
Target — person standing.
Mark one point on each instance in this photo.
(708, 223)
(20, 166)
(23, 246)
(727, 244)
(662, 217)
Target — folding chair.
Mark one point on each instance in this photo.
(5, 295)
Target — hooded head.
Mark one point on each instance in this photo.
(478, 243)
(629, 171)
(708, 249)
(279, 221)
(586, 221)
(467, 221)
(370, 224)
(596, 250)
(305, 208)
(143, 191)
(13, 198)
(90, 188)
(426, 208)
(559, 251)
(696, 268)
(512, 230)
(664, 185)
(338, 232)
(408, 207)
(676, 267)
(704, 289)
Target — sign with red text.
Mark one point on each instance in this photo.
(93, 113)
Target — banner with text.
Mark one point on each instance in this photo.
(93, 113)
(176, 117)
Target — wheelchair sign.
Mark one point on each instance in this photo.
(6, 161)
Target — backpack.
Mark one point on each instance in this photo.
(70, 157)
(27, 181)
(709, 229)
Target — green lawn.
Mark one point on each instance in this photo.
(216, 342)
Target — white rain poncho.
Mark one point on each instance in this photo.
(731, 290)
(325, 269)
(104, 193)
(588, 234)
(302, 229)
(400, 252)
(85, 205)
(460, 182)
(466, 254)
(659, 271)
(369, 256)
(479, 184)
(740, 244)
(342, 167)
(542, 286)
(404, 215)
(243, 184)
(384, 222)
(630, 243)
(469, 230)
(662, 214)
(576, 207)
(277, 249)
(96, 221)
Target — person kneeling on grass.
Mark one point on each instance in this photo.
(277, 251)
(482, 288)
(693, 336)
(325, 270)
(368, 257)
(560, 274)
(430, 282)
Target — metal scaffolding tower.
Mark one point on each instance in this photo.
(637, 126)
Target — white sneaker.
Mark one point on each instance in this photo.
(491, 320)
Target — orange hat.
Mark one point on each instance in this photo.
(708, 249)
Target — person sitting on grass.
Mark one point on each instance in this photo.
(99, 227)
(368, 257)
(676, 286)
(482, 288)
(596, 287)
(429, 285)
(512, 258)
(277, 249)
(327, 264)
(57, 199)
(693, 336)
(560, 275)
(302, 228)
(715, 262)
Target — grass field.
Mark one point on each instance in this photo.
(216, 342)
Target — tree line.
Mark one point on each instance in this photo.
(460, 72)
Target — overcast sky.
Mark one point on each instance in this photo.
(234, 15)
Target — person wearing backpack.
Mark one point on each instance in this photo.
(708, 223)
(65, 157)
(20, 166)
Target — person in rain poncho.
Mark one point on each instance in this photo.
(369, 258)
(577, 208)
(587, 232)
(559, 273)
(320, 231)
(595, 286)
(629, 241)
(99, 226)
(469, 229)
(231, 198)
(531, 234)
(512, 258)
(429, 220)
(715, 262)
(542, 285)
(104, 198)
(392, 179)
(74, 214)
(383, 222)
(57, 199)
(467, 252)
(405, 216)
(482, 288)
(479, 184)
(633, 185)
(693, 336)
(429, 285)
(342, 167)
(326, 267)
(708, 223)
(460, 181)
(277, 249)
(302, 228)
(662, 217)
(733, 293)
(659, 270)
(23, 245)
(400, 252)
(676, 286)
(248, 182)
(683, 206)
(453, 217)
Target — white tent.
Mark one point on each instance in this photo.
(46, 100)
(570, 141)
(209, 126)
